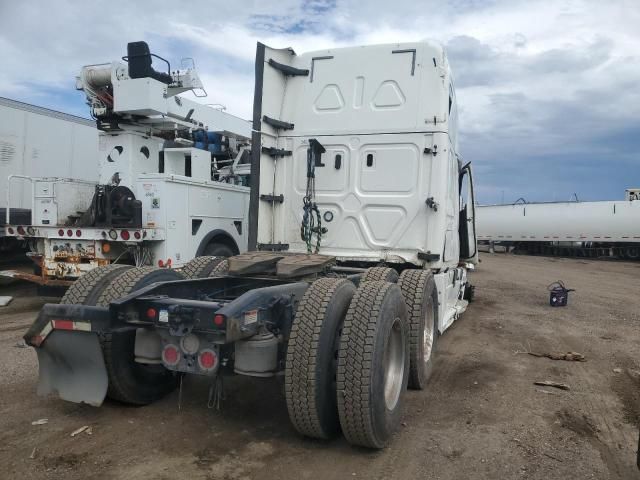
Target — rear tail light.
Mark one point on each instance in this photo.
(113, 235)
(207, 359)
(69, 233)
(78, 233)
(10, 230)
(31, 230)
(20, 230)
(124, 234)
(170, 355)
(160, 263)
(63, 324)
(61, 232)
(151, 313)
(218, 320)
(136, 235)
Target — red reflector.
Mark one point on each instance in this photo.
(21, 230)
(124, 234)
(10, 230)
(78, 233)
(151, 313)
(136, 235)
(170, 355)
(63, 324)
(207, 359)
(160, 263)
(61, 232)
(218, 320)
(69, 233)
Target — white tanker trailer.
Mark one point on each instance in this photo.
(589, 229)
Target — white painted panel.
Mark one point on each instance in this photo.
(378, 211)
(172, 203)
(329, 178)
(40, 143)
(389, 168)
(377, 88)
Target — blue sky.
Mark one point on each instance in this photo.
(547, 90)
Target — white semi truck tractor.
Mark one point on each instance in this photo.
(361, 235)
(172, 179)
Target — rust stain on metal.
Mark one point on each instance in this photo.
(40, 280)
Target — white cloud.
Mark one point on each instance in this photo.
(544, 79)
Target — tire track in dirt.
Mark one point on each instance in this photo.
(603, 427)
(594, 416)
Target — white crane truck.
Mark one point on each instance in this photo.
(170, 179)
(361, 235)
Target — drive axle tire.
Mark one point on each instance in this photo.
(201, 267)
(312, 352)
(87, 288)
(384, 274)
(131, 382)
(420, 294)
(221, 269)
(373, 364)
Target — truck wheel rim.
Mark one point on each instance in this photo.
(428, 332)
(393, 365)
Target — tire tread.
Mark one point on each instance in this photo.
(119, 287)
(81, 289)
(355, 363)
(385, 274)
(200, 267)
(412, 282)
(220, 269)
(302, 356)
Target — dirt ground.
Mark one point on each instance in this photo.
(482, 417)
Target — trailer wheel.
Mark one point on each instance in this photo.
(201, 267)
(373, 364)
(221, 269)
(87, 288)
(131, 382)
(420, 294)
(312, 354)
(632, 253)
(384, 274)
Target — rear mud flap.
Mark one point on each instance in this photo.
(71, 364)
